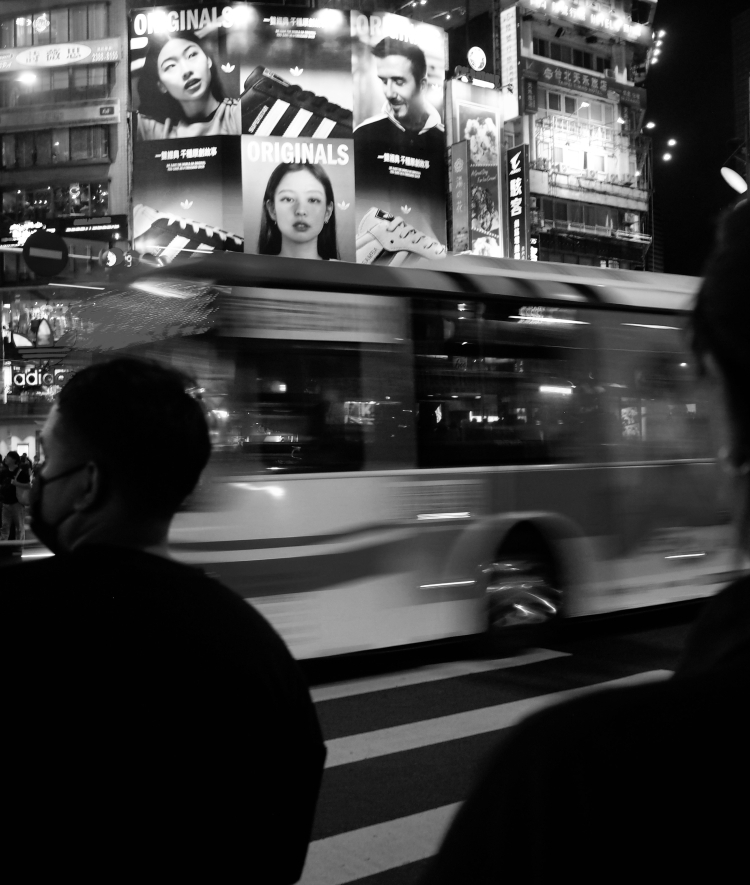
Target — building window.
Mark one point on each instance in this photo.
(569, 55)
(77, 83)
(49, 147)
(40, 204)
(83, 21)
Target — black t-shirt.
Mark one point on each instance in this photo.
(7, 489)
(156, 722)
(644, 784)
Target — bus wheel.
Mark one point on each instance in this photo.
(521, 592)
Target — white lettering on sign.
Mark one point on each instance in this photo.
(296, 152)
(49, 56)
(162, 21)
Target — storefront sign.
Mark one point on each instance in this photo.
(591, 15)
(90, 227)
(91, 52)
(550, 74)
(518, 189)
(529, 99)
(510, 35)
(15, 119)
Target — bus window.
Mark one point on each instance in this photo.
(309, 407)
(657, 408)
(499, 382)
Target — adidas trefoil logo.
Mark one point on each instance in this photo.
(186, 204)
(227, 68)
(295, 71)
(406, 209)
(343, 205)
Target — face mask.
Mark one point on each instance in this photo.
(47, 532)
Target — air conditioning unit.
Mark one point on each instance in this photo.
(609, 72)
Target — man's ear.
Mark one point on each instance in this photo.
(93, 488)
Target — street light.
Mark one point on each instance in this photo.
(667, 157)
(672, 142)
(650, 125)
(733, 167)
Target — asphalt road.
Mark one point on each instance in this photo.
(408, 731)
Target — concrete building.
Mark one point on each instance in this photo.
(578, 73)
(63, 125)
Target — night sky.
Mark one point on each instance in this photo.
(690, 99)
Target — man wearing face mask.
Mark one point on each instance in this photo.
(155, 720)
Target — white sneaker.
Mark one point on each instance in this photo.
(383, 238)
(168, 236)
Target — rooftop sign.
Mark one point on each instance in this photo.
(591, 15)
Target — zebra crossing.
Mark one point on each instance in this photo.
(383, 802)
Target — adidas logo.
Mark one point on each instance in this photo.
(227, 68)
(343, 205)
(186, 204)
(406, 209)
(295, 71)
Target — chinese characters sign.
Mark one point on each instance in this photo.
(518, 188)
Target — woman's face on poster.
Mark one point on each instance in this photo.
(184, 70)
(299, 207)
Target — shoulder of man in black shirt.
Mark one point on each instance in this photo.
(639, 783)
(137, 678)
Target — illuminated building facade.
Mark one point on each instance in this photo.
(63, 122)
(578, 73)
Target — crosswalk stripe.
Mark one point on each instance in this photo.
(359, 853)
(431, 673)
(412, 736)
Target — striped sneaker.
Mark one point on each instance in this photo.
(383, 238)
(271, 106)
(167, 236)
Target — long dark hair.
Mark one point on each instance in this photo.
(152, 101)
(269, 241)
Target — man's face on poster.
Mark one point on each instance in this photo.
(402, 91)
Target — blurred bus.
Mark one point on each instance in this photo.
(403, 455)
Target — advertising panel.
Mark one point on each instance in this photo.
(187, 197)
(279, 174)
(259, 104)
(475, 118)
(518, 190)
(549, 73)
(399, 135)
(460, 200)
(509, 48)
(90, 52)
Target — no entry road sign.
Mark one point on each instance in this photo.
(45, 254)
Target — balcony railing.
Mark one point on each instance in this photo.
(592, 230)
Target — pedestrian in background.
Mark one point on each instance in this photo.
(644, 784)
(156, 726)
(15, 486)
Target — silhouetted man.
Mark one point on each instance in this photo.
(156, 726)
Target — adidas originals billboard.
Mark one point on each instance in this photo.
(244, 126)
(399, 136)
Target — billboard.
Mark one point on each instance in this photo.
(475, 118)
(398, 70)
(276, 130)
(518, 201)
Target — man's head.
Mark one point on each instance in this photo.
(91, 485)
(12, 460)
(402, 70)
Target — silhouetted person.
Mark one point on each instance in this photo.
(644, 784)
(14, 477)
(155, 726)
